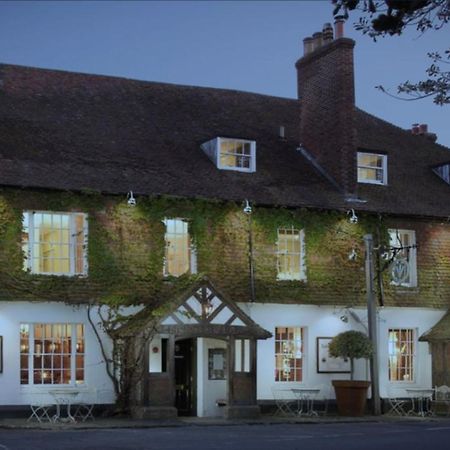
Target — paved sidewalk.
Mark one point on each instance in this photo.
(125, 422)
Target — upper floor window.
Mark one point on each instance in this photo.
(55, 243)
(179, 253)
(232, 154)
(401, 354)
(443, 171)
(372, 168)
(290, 254)
(403, 251)
(289, 355)
(52, 353)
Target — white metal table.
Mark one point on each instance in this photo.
(305, 400)
(420, 397)
(64, 397)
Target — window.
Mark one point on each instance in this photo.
(51, 353)
(401, 355)
(290, 254)
(180, 254)
(289, 354)
(232, 154)
(55, 243)
(444, 172)
(403, 252)
(372, 168)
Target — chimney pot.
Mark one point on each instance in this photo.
(307, 45)
(423, 128)
(327, 33)
(339, 27)
(415, 128)
(317, 40)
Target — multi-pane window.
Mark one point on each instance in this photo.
(401, 354)
(52, 353)
(289, 346)
(290, 254)
(179, 254)
(403, 250)
(54, 243)
(372, 168)
(235, 154)
(232, 154)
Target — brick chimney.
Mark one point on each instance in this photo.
(326, 92)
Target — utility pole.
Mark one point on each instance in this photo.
(372, 322)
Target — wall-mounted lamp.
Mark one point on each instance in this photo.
(130, 199)
(353, 255)
(353, 217)
(247, 208)
(207, 307)
(344, 318)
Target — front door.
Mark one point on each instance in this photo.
(185, 395)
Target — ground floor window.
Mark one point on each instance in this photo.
(289, 353)
(401, 354)
(52, 353)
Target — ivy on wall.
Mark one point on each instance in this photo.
(126, 250)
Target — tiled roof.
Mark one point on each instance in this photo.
(70, 131)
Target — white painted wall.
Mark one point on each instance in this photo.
(97, 386)
(321, 321)
(209, 391)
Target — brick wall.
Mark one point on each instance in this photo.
(327, 121)
(126, 249)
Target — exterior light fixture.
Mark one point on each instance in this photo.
(130, 199)
(247, 208)
(353, 217)
(344, 318)
(207, 307)
(353, 255)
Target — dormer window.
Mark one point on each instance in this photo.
(372, 168)
(443, 171)
(232, 154)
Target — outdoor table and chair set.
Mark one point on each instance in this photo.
(67, 406)
(299, 401)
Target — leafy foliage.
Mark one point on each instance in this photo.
(351, 344)
(390, 17)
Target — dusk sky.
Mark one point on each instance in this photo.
(243, 45)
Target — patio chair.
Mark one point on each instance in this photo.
(396, 404)
(441, 401)
(83, 409)
(40, 411)
(285, 402)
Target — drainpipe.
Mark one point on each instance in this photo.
(251, 266)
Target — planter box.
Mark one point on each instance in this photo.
(351, 396)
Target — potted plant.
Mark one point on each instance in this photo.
(351, 394)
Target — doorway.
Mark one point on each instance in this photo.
(185, 377)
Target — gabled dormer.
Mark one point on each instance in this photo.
(231, 153)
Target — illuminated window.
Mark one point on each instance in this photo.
(372, 168)
(290, 254)
(55, 243)
(289, 353)
(403, 254)
(51, 353)
(401, 354)
(232, 154)
(180, 254)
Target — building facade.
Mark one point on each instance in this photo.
(225, 228)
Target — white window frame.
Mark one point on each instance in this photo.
(73, 354)
(212, 149)
(301, 275)
(192, 257)
(412, 367)
(28, 262)
(412, 253)
(302, 351)
(383, 168)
